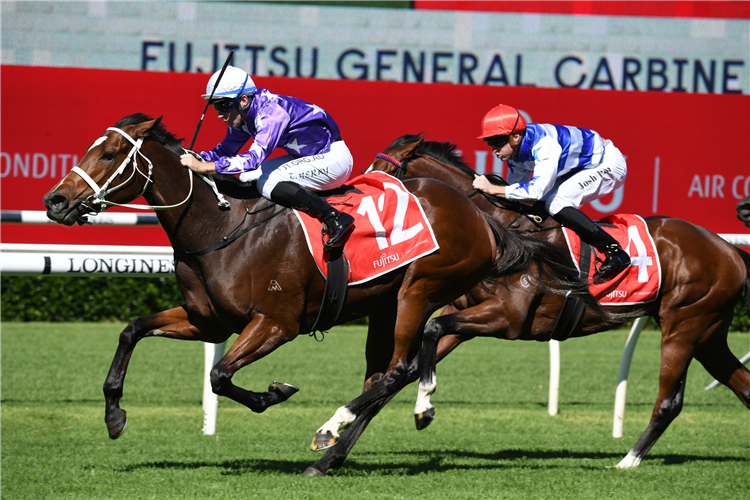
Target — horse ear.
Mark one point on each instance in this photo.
(144, 129)
(411, 148)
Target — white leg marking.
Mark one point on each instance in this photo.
(339, 422)
(630, 461)
(423, 396)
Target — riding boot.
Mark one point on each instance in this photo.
(335, 224)
(616, 259)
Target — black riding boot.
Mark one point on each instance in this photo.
(616, 258)
(335, 224)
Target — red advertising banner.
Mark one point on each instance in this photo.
(688, 154)
(731, 9)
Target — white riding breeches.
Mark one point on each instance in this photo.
(589, 184)
(317, 172)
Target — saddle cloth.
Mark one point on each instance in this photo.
(641, 281)
(390, 228)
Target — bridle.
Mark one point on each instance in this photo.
(400, 166)
(98, 203)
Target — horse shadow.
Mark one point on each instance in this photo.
(403, 463)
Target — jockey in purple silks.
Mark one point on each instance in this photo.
(317, 158)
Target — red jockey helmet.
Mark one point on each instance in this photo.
(502, 120)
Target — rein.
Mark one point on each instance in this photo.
(234, 235)
(498, 202)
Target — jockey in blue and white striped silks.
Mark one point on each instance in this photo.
(562, 166)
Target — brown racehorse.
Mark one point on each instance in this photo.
(226, 285)
(703, 278)
(743, 211)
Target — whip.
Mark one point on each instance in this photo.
(208, 102)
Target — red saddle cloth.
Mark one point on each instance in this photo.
(641, 281)
(390, 228)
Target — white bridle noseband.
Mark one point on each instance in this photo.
(97, 201)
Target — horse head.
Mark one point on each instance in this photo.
(410, 155)
(415, 157)
(113, 171)
(393, 160)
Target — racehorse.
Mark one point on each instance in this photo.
(743, 210)
(703, 278)
(224, 273)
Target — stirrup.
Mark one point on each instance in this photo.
(615, 262)
(344, 223)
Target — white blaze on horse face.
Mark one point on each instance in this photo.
(339, 422)
(426, 389)
(370, 168)
(97, 142)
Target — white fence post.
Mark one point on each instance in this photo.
(554, 376)
(622, 379)
(213, 353)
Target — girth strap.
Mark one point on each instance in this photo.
(570, 315)
(334, 295)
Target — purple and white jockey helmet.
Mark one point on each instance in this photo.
(234, 83)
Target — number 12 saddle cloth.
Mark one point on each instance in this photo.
(390, 227)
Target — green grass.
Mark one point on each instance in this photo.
(492, 438)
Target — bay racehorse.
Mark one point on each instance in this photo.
(703, 278)
(743, 210)
(226, 285)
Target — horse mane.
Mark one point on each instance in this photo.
(159, 133)
(443, 151)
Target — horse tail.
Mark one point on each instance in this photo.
(553, 269)
(746, 258)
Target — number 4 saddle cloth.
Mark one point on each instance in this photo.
(638, 283)
(390, 227)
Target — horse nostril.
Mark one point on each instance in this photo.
(56, 202)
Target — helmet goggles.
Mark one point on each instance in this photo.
(225, 105)
(497, 141)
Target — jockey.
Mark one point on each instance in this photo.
(569, 166)
(317, 158)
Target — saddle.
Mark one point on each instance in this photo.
(337, 278)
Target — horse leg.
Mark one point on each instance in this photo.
(492, 316)
(413, 310)
(172, 323)
(259, 338)
(676, 355)
(724, 366)
(378, 352)
(478, 320)
(335, 456)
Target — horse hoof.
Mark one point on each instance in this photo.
(322, 441)
(424, 418)
(312, 472)
(285, 391)
(116, 425)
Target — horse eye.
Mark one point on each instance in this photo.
(108, 156)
